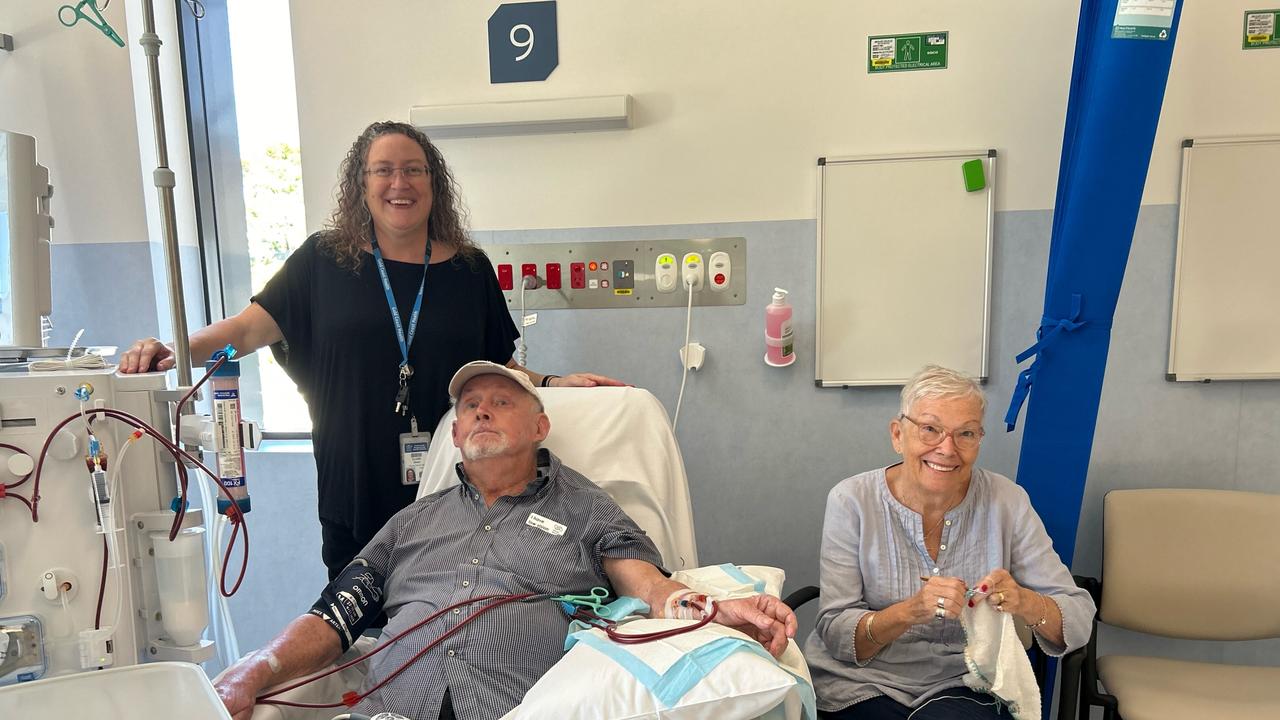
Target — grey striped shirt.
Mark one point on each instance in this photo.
(448, 547)
(873, 556)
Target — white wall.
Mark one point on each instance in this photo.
(70, 89)
(736, 99)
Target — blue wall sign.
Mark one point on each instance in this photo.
(523, 46)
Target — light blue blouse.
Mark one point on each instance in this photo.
(873, 555)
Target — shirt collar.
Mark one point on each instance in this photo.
(547, 468)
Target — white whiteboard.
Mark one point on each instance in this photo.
(904, 267)
(1226, 288)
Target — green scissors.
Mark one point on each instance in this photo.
(69, 15)
(595, 601)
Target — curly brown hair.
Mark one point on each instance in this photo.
(348, 229)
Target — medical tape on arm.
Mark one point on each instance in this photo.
(351, 602)
(687, 604)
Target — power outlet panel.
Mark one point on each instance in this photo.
(621, 274)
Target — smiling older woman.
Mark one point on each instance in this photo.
(902, 545)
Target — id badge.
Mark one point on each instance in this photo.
(413, 456)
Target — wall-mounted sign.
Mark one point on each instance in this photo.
(523, 46)
(1260, 29)
(917, 51)
(1143, 19)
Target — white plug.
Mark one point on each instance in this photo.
(693, 355)
(664, 273)
(692, 271)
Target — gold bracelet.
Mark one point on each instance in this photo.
(1044, 614)
(867, 628)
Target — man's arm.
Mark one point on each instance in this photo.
(307, 645)
(763, 617)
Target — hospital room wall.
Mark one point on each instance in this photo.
(86, 102)
(734, 101)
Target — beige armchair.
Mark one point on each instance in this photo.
(1193, 565)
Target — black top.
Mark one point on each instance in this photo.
(340, 348)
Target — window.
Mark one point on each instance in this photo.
(238, 64)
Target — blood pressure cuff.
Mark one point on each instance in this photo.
(351, 602)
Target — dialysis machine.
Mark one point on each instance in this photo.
(96, 567)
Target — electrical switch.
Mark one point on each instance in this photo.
(505, 281)
(719, 270)
(553, 276)
(624, 276)
(665, 274)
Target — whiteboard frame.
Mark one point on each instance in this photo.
(988, 155)
(1188, 145)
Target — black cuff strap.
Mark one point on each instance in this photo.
(546, 380)
(351, 602)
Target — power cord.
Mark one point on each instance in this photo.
(684, 359)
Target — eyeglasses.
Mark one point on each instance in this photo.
(410, 172)
(933, 434)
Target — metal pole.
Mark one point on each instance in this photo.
(164, 182)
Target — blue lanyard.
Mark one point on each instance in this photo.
(405, 342)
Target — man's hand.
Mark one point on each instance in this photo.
(584, 380)
(763, 617)
(237, 689)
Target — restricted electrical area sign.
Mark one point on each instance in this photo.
(917, 51)
(1260, 29)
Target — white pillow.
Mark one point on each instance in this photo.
(599, 680)
(728, 581)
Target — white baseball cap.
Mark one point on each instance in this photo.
(484, 367)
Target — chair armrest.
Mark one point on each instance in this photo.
(801, 596)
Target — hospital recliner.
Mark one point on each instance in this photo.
(620, 438)
(1192, 565)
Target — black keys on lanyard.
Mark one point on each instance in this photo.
(406, 370)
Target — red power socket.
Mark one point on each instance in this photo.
(553, 276)
(504, 277)
(577, 275)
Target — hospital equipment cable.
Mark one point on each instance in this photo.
(179, 455)
(351, 698)
(684, 357)
(610, 627)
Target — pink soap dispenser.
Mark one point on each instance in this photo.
(778, 338)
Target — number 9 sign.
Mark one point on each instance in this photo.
(523, 45)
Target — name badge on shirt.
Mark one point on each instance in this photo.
(413, 456)
(546, 525)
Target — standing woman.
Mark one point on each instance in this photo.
(371, 317)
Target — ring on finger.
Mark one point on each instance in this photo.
(941, 602)
(1001, 600)
(939, 613)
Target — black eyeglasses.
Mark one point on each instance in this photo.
(932, 434)
(411, 172)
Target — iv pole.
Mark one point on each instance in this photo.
(163, 177)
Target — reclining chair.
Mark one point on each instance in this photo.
(620, 438)
(1193, 565)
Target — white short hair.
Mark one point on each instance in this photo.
(935, 381)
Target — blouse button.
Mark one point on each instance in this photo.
(451, 653)
(935, 571)
(487, 528)
(948, 523)
(475, 561)
(466, 583)
(942, 547)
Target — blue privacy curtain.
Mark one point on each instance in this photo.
(1117, 87)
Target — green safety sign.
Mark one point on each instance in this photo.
(1260, 29)
(917, 51)
(1143, 19)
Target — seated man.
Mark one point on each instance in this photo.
(519, 522)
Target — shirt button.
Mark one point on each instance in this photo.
(466, 583)
(475, 561)
(456, 611)
(452, 653)
(935, 571)
(948, 523)
(942, 547)
(487, 528)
